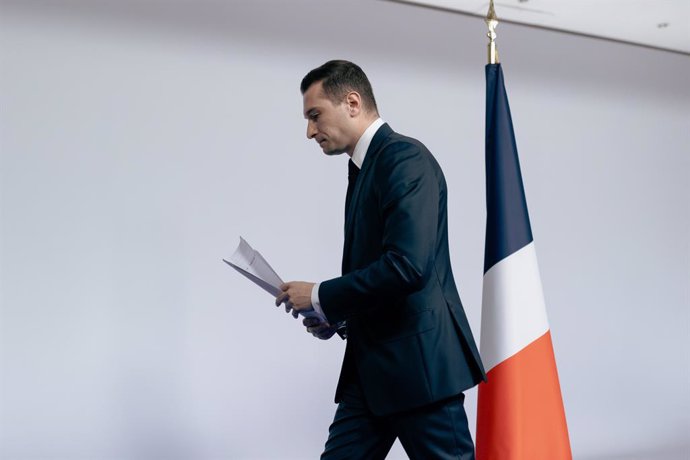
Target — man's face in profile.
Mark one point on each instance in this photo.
(328, 123)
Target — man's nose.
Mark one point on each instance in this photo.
(311, 130)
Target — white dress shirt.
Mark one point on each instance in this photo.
(358, 159)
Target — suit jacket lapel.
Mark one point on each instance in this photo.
(376, 143)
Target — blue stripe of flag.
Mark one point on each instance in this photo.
(507, 220)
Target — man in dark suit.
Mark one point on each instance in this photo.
(410, 352)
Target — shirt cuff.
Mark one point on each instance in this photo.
(315, 300)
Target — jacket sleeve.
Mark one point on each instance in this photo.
(407, 194)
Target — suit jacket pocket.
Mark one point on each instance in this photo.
(392, 328)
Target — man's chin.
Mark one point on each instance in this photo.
(332, 152)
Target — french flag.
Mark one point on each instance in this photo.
(520, 412)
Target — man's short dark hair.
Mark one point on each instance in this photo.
(339, 78)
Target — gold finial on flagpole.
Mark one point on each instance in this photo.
(492, 21)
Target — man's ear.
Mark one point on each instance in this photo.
(354, 103)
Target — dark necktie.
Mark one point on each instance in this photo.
(352, 173)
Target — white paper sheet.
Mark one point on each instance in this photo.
(250, 263)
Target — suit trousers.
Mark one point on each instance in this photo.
(435, 431)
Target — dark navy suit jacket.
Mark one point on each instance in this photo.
(408, 339)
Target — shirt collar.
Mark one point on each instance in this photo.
(363, 143)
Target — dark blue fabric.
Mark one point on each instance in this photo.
(352, 173)
(507, 220)
(436, 431)
(407, 333)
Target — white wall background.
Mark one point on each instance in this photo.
(139, 139)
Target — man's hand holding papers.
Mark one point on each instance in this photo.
(297, 298)
(296, 295)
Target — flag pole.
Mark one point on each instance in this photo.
(492, 21)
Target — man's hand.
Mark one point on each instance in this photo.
(319, 329)
(296, 296)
